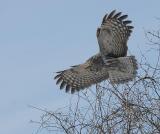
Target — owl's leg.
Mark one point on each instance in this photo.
(111, 61)
(106, 59)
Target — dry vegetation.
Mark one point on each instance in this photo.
(132, 108)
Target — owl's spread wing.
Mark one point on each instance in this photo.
(83, 75)
(120, 70)
(113, 35)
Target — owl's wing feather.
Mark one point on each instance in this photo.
(83, 75)
(120, 70)
(113, 35)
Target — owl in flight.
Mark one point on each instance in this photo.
(110, 63)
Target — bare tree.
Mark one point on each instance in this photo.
(132, 108)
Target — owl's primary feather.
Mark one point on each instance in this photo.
(113, 35)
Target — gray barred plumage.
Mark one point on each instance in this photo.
(113, 35)
(110, 63)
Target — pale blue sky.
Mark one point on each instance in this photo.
(39, 37)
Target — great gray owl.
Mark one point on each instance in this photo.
(110, 63)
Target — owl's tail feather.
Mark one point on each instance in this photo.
(125, 70)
